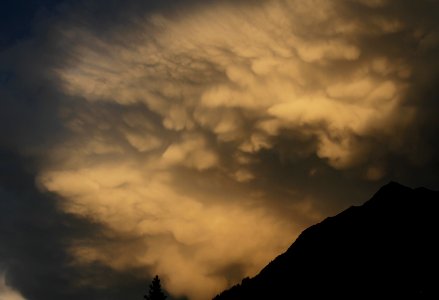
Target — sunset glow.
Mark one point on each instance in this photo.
(202, 138)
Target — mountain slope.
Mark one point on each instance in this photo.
(386, 247)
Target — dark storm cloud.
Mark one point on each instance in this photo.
(188, 137)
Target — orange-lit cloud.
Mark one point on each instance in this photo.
(188, 238)
(169, 119)
(199, 70)
(7, 292)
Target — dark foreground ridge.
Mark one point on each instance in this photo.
(385, 248)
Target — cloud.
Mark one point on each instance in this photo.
(187, 68)
(201, 138)
(33, 255)
(8, 293)
(175, 232)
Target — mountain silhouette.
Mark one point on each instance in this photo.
(388, 247)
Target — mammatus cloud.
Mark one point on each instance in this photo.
(175, 110)
(199, 138)
(246, 73)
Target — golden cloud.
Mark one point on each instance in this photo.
(7, 292)
(199, 94)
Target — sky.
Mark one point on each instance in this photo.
(196, 139)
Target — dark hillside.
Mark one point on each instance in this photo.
(386, 247)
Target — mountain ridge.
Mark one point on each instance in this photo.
(385, 247)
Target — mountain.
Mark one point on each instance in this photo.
(388, 247)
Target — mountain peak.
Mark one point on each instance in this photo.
(393, 187)
(393, 193)
(386, 247)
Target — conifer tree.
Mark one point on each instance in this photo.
(155, 290)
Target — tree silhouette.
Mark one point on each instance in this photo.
(155, 290)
